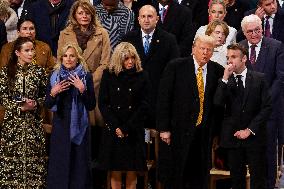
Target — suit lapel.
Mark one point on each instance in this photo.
(261, 59)
(192, 77)
(154, 44)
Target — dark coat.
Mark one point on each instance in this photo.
(199, 10)
(163, 49)
(124, 104)
(278, 26)
(178, 21)
(235, 14)
(177, 112)
(69, 164)
(270, 62)
(250, 112)
(3, 34)
(39, 13)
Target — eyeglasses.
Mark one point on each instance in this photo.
(256, 31)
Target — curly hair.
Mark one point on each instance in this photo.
(212, 26)
(119, 55)
(4, 10)
(78, 51)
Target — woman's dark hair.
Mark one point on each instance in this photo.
(12, 63)
(22, 20)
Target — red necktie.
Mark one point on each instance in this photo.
(252, 56)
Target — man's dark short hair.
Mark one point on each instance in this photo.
(237, 46)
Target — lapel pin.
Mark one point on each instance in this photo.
(158, 41)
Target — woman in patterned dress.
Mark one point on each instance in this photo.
(23, 159)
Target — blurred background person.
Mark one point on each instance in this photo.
(20, 6)
(10, 18)
(23, 159)
(3, 34)
(116, 19)
(50, 17)
(124, 103)
(70, 95)
(219, 30)
(217, 11)
(43, 57)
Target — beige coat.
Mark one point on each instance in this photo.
(97, 56)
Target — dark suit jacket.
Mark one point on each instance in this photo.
(270, 62)
(250, 112)
(178, 21)
(278, 26)
(39, 12)
(163, 49)
(177, 112)
(199, 10)
(3, 34)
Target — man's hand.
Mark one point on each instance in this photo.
(242, 134)
(166, 137)
(260, 12)
(228, 71)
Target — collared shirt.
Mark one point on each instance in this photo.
(270, 21)
(161, 8)
(144, 34)
(244, 76)
(204, 71)
(281, 3)
(20, 9)
(257, 48)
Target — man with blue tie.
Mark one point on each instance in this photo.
(155, 47)
(244, 96)
(266, 55)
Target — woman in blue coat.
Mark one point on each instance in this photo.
(70, 95)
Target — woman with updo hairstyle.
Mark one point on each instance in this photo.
(217, 11)
(124, 104)
(70, 95)
(84, 30)
(23, 157)
(219, 30)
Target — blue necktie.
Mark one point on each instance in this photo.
(147, 44)
(162, 14)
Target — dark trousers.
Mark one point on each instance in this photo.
(256, 160)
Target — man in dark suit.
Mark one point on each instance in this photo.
(162, 49)
(50, 17)
(177, 20)
(272, 18)
(244, 95)
(266, 55)
(186, 117)
(199, 10)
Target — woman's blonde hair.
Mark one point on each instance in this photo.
(4, 10)
(119, 55)
(214, 2)
(212, 26)
(78, 51)
(86, 6)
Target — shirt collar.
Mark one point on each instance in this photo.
(144, 34)
(257, 45)
(161, 7)
(196, 65)
(243, 74)
(271, 16)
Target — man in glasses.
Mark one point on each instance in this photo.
(266, 55)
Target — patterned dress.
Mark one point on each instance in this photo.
(23, 158)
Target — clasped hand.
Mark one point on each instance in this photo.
(65, 84)
(28, 105)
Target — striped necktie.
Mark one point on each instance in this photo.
(147, 44)
(200, 86)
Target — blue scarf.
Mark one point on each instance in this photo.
(79, 115)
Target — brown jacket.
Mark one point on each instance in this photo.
(44, 58)
(43, 53)
(97, 56)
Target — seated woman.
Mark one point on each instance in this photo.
(219, 30)
(124, 103)
(217, 11)
(70, 95)
(23, 158)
